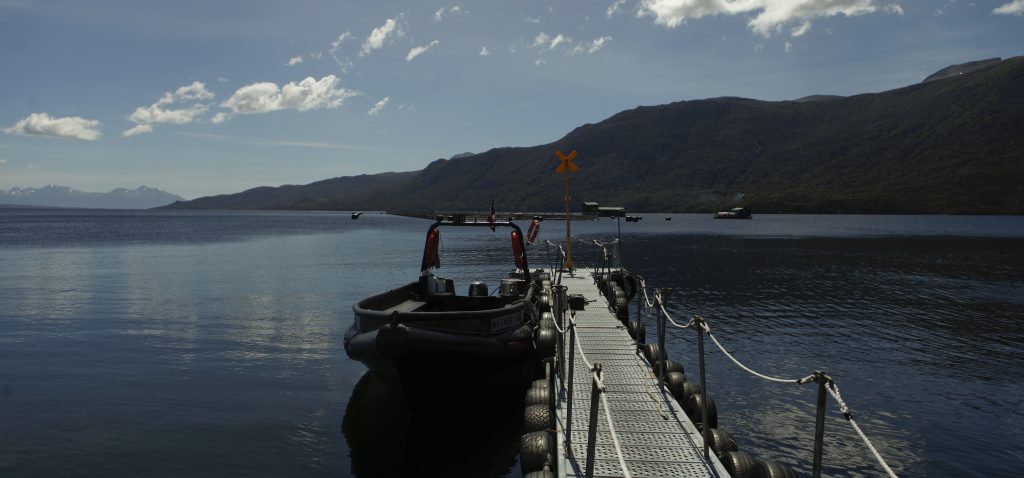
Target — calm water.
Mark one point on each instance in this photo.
(209, 344)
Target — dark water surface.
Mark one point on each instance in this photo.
(210, 344)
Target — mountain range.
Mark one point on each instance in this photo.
(952, 144)
(61, 196)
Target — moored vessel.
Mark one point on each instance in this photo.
(418, 333)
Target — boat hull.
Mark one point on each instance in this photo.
(418, 344)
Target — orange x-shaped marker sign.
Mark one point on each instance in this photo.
(566, 161)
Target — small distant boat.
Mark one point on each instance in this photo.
(634, 218)
(734, 213)
(668, 218)
(356, 215)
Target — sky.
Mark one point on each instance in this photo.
(204, 97)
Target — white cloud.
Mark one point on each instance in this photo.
(221, 79)
(1016, 7)
(558, 40)
(308, 94)
(895, 9)
(137, 130)
(544, 40)
(70, 127)
(770, 14)
(800, 30)
(155, 113)
(161, 113)
(295, 60)
(379, 106)
(591, 47)
(540, 61)
(3, 162)
(453, 11)
(531, 19)
(335, 46)
(317, 55)
(31, 166)
(220, 118)
(541, 39)
(615, 7)
(759, 47)
(379, 35)
(485, 52)
(419, 50)
(196, 91)
(789, 47)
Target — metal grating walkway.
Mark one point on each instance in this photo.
(656, 436)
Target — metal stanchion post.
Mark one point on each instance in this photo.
(819, 424)
(705, 429)
(595, 402)
(572, 369)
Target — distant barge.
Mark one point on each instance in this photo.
(734, 213)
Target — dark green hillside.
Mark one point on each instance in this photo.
(952, 145)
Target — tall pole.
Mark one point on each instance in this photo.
(568, 220)
(567, 167)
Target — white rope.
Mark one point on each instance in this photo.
(615, 435)
(800, 381)
(647, 300)
(833, 390)
(580, 347)
(559, 329)
(669, 317)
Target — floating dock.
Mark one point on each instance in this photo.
(655, 435)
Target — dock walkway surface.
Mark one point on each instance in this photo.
(656, 436)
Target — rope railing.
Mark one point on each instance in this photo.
(833, 390)
(825, 382)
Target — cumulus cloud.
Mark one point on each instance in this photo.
(1016, 7)
(137, 130)
(380, 35)
(485, 52)
(615, 7)
(219, 118)
(70, 127)
(308, 94)
(800, 30)
(335, 47)
(453, 11)
(541, 39)
(379, 106)
(558, 40)
(789, 47)
(895, 9)
(770, 15)
(591, 47)
(419, 50)
(295, 60)
(181, 106)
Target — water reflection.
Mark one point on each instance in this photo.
(450, 433)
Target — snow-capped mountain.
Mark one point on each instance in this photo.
(142, 197)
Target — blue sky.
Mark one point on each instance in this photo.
(210, 97)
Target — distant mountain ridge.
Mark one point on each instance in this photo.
(142, 197)
(951, 145)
